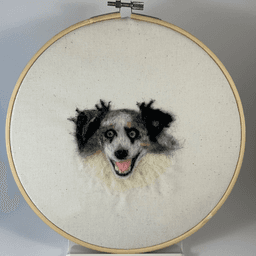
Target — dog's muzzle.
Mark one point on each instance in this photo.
(124, 167)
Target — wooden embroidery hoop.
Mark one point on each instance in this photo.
(149, 20)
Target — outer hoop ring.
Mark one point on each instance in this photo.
(150, 20)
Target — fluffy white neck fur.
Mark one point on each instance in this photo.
(149, 168)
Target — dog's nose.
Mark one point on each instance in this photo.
(121, 153)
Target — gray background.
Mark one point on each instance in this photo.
(227, 27)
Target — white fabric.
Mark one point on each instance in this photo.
(125, 62)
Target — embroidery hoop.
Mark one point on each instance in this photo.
(149, 20)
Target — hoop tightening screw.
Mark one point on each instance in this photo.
(134, 5)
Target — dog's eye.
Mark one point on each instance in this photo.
(133, 134)
(110, 134)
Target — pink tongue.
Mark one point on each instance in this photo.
(124, 166)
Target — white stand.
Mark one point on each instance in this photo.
(78, 250)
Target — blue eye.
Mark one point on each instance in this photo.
(132, 134)
(109, 134)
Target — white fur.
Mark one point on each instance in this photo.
(149, 168)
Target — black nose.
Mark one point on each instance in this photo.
(121, 153)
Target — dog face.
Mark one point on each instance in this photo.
(125, 136)
(124, 140)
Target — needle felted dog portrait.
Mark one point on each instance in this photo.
(124, 137)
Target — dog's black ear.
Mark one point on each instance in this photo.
(88, 122)
(155, 120)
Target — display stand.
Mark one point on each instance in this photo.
(78, 250)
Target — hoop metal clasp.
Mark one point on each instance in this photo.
(134, 5)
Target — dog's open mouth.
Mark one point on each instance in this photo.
(125, 167)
